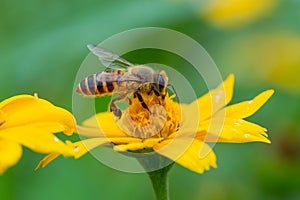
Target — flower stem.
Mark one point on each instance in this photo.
(157, 167)
(159, 179)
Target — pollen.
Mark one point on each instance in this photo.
(162, 119)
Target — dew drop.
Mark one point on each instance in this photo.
(76, 149)
(246, 135)
(217, 98)
(249, 102)
(236, 124)
(56, 139)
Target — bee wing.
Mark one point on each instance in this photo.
(130, 78)
(109, 59)
(132, 82)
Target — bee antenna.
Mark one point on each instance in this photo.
(172, 86)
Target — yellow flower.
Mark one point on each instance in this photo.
(29, 121)
(275, 62)
(176, 131)
(235, 13)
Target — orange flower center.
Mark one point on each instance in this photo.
(162, 119)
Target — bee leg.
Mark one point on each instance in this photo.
(155, 90)
(128, 100)
(115, 110)
(172, 86)
(140, 98)
(113, 107)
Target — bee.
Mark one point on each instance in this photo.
(128, 79)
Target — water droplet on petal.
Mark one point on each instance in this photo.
(249, 102)
(217, 98)
(76, 149)
(246, 135)
(56, 139)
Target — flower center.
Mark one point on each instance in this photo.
(162, 119)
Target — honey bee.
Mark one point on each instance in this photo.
(128, 79)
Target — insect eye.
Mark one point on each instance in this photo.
(160, 81)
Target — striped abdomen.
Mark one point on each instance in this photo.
(100, 83)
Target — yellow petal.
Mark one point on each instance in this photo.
(37, 138)
(10, 154)
(247, 108)
(235, 131)
(79, 149)
(46, 160)
(124, 140)
(2, 119)
(133, 146)
(84, 146)
(102, 124)
(197, 156)
(189, 124)
(215, 99)
(25, 109)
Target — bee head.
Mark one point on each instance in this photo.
(162, 81)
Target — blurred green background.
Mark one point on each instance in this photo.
(42, 44)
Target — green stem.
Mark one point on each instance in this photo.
(157, 167)
(160, 182)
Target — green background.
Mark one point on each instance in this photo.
(42, 44)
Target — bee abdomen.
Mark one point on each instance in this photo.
(98, 84)
(87, 86)
(104, 87)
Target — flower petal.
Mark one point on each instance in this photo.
(2, 119)
(37, 137)
(124, 140)
(231, 127)
(215, 99)
(79, 149)
(129, 147)
(10, 154)
(133, 146)
(25, 109)
(197, 157)
(103, 124)
(247, 108)
(234, 131)
(46, 160)
(84, 146)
